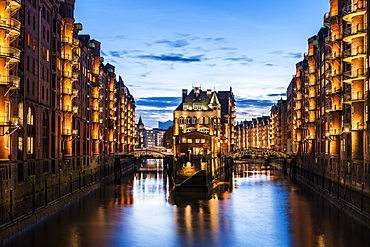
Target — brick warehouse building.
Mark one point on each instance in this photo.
(326, 118)
(63, 112)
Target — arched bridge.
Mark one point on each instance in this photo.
(145, 154)
(257, 153)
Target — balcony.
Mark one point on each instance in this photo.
(311, 120)
(355, 31)
(70, 132)
(333, 108)
(11, 26)
(9, 121)
(333, 38)
(355, 97)
(356, 74)
(332, 90)
(10, 81)
(356, 52)
(354, 9)
(359, 126)
(67, 40)
(13, 5)
(310, 137)
(334, 132)
(11, 54)
(331, 73)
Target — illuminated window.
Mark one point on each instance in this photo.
(197, 107)
(190, 141)
(188, 120)
(29, 116)
(206, 120)
(197, 140)
(29, 145)
(204, 130)
(203, 141)
(28, 39)
(194, 120)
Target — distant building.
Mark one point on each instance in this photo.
(149, 137)
(165, 125)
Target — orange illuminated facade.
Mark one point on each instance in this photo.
(63, 112)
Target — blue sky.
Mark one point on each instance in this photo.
(160, 47)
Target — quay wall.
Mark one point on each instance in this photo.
(25, 206)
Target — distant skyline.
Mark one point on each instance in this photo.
(162, 47)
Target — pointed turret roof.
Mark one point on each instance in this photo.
(214, 99)
(140, 122)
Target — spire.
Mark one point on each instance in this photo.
(214, 100)
(140, 123)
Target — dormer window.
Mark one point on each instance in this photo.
(197, 107)
(185, 107)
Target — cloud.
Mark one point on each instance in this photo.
(103, 53)
(239, 59)
(276, 94)
(288, 54)
(294, 55)
(277, 52)
(158, 102)
(118, 54)
(119, 37)
(241, 102)
(176, 43)
(173, 58)
(215, 39)
(269, 64)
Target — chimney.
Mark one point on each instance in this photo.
(209, 93)
(184, 94)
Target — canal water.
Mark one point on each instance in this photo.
(258, 207)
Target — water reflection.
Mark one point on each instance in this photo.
(256, 207)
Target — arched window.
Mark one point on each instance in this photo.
(188, 120)
(206, 120)
(201, 120)
(181, 120)
(194, 120)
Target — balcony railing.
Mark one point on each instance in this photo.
(11, 53)
(350, 75)
(358, 29)
(334, 37)
(10, 81)
(331, 108)
(12, 26)
(359, 126)
(13, 5)
(9, 121)
(334, 132)
(354, 9)
(70, 132)
(355, 96)
(332, 90)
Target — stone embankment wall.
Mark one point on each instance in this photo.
(41, 199)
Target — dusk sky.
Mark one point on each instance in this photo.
(160, 47)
